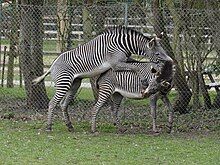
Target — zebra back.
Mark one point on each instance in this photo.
(130, 81)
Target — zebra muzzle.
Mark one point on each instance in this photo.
(145, 93)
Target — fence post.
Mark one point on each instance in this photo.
(3, 65)
(126, 14)
(20, 71)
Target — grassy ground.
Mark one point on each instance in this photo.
(23, 140)
(26, 143)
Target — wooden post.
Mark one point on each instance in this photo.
(20, 72)
(3, 66)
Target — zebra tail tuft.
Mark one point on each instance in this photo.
(41, 78)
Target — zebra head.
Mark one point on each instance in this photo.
(163, 80)
(153, 50)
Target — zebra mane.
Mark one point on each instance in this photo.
(167, 71)
(122, 30)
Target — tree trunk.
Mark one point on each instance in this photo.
(214, 14)
(70, 9)
(13, 43)
(61, 25)
(100, 18)
(87, 35)
(184, 92)
(39, 97)
(195, 89)
(32, 60)
(25, 47)
(87, 21)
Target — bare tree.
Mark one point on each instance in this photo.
(213, 16)
(184, 93)
(13, 37)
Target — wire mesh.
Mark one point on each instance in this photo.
(35, 35)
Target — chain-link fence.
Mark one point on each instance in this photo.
(33, 36)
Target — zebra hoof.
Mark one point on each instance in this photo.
(70, 127)
(95, 133)
(121, 130)
(156, 132)
(48, 129)
(169, 129)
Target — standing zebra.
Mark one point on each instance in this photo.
(119, 84)
(108, 50)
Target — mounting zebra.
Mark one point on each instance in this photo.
(108, 50)
(119, 84)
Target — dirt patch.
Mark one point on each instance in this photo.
(134, 119)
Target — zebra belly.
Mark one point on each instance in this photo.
(98, 70)
(132, 95)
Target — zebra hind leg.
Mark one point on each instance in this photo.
(104, 93)
(117, 99)
(52, 106)
(61, 90)
(65, 102)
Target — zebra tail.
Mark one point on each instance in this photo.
(39, 79)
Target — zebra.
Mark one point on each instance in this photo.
(119, 84)
(108, 50)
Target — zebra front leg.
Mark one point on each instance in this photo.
(65, 102)
(153, 107)
(166, 101)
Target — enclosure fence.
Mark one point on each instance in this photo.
(33, 36)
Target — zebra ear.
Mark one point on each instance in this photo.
(165, 84)
(151, 43)
(159, 37)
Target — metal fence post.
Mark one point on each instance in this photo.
(126, 14)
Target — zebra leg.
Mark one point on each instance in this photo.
(117, 99)
(105, 91)
(66, 100)
(52, 106)
(126, 66)
(61, 90)
(166, 101)
(153, 107)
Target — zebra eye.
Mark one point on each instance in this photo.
(153, 70)
(151, 43)
(157, 53)
(165, 84)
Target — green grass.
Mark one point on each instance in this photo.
(16, 93)
(19, 93)
(85, 94)
(48, 45)
(27, 143)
